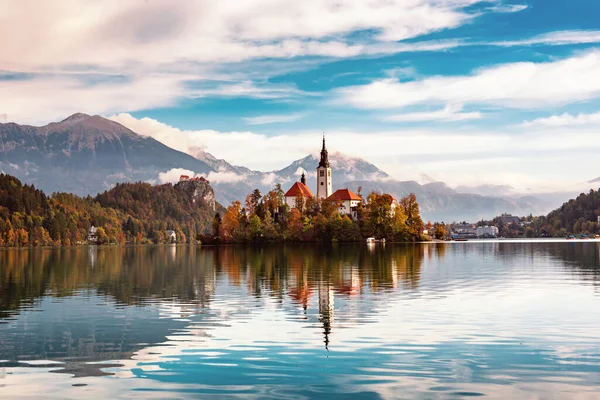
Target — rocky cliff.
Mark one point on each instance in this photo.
(200, 192)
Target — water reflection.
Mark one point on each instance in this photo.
(437, 319)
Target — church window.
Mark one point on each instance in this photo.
(322, 173)
(321, 183)
(328, 173)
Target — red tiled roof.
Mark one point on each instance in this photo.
(343, 195)
(299, 188)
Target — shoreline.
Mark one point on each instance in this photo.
(377, 244)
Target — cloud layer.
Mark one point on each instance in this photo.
(113, 56)
(523, 85)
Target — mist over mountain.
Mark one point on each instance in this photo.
(86, 154)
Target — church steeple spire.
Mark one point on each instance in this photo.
(324, 156)
(303, 179)
(323, 174)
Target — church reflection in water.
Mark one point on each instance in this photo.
(102, 304)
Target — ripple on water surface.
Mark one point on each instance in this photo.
(504, 320)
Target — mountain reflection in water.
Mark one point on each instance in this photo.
(430, 320)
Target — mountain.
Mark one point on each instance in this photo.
(222, 165)
(343, 168)
(86, 154)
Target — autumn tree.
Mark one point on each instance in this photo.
(231, 221)
(439, 231)
(410, 208)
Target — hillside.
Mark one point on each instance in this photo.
(130, 212)
(579, 215)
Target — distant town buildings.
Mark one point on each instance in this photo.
(465, 230)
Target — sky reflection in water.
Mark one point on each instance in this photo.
(428, 321)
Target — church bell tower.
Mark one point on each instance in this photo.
(323, 175)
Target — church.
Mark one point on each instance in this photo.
(348, 200)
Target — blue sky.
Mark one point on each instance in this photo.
(465, 91)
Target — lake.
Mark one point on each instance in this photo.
(438, 320)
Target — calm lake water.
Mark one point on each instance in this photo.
(501, 320)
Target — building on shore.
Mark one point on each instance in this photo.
(171, 236)
(92, 234)
(508, 219)
(464, 230)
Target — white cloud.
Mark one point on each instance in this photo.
(269, 178)
(565, 119)
(272, 119)
(173, 175)
(557, 38)
(449, 113)
(515, 85)
(224, 177)
(508, 8)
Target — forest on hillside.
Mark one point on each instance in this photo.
(128, 213)
(578, 216)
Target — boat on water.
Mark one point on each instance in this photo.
(570, 237)
(584, 236)
(373, 240)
